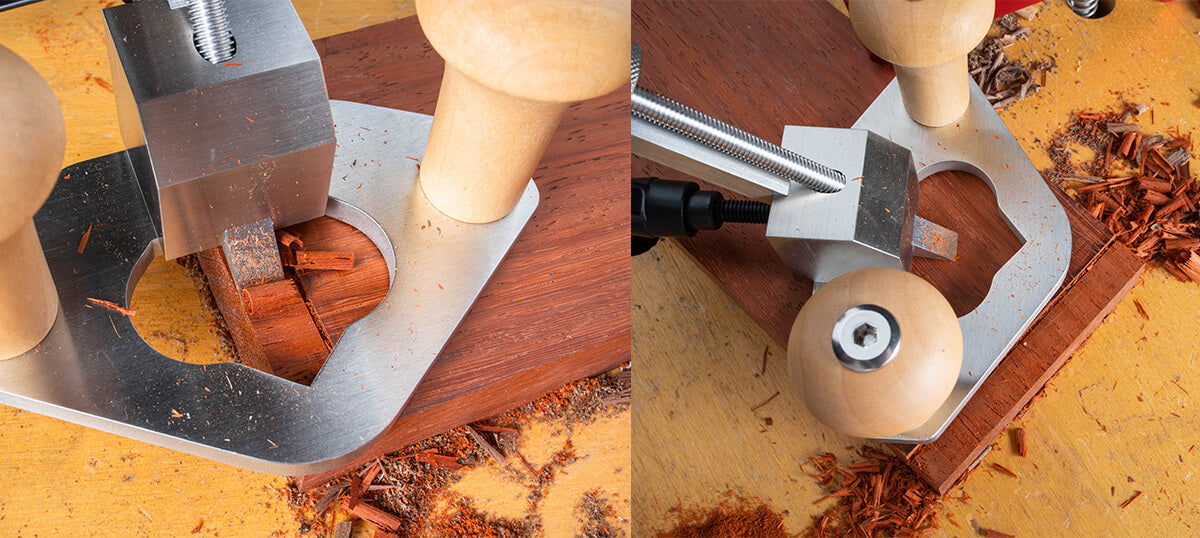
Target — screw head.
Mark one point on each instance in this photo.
(865, 338)
(865, 335)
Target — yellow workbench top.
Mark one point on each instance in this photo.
(1119, 418)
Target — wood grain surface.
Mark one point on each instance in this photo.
(789, 69)
(557, 309)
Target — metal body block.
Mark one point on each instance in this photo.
(219, 146)
(869, 223)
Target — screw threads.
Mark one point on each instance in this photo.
(743, 211)
(635, 64)
(210, 30)
(1084, 8)
(734, 142)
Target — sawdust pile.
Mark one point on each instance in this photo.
(398, 493)
(734, 516)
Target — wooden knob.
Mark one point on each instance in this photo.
(928, 42)
(875, 352)
(32, 142)
(512, 68)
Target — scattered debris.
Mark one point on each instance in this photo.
(1141, 309)
(1136, 494)
(624, 394)
(1138, 184)
(1003, 469)
(741, 520)
(1003, 80)
(407, 493)
(487, 447)
(343, 529)
(114, 307)
(1022, 447)
(595, 513)
(83, 240)
(755, 408)
(878, 496)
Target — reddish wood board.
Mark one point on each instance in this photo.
(557, 309)
(763, 65)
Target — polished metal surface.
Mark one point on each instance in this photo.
(93, 368)
(867, 224)
(217, 146)
(785, 166)
(865, 338)
(252, 254)
(210, 30)
(933, 241)
(981, 144)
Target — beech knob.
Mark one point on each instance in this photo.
(32, 143)
(928, 42)
(875, 352)
(512, 68)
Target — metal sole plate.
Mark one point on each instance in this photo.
(981, 144)
(93, 368)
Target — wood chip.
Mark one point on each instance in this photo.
(289, 239)
(1022, 447)
(755, 408)
(1136, 494)
(487, 447)
(320, 260)
(1003, 469)
(83, 240)
(114, 307)
(449, 463)
(330, 495)
(384, 520)
(997, 534)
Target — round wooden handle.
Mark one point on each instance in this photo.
(875, 352)
(928, 41)
(512, 68)
(32, 142)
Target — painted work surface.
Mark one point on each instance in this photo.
(60, 479)
(1118, 419)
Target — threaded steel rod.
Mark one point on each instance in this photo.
(210, 30)
(745, 211)
(734, 142)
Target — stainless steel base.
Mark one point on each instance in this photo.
(981, 144)
(93, 368)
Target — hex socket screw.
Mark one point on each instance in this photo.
(721, 136)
